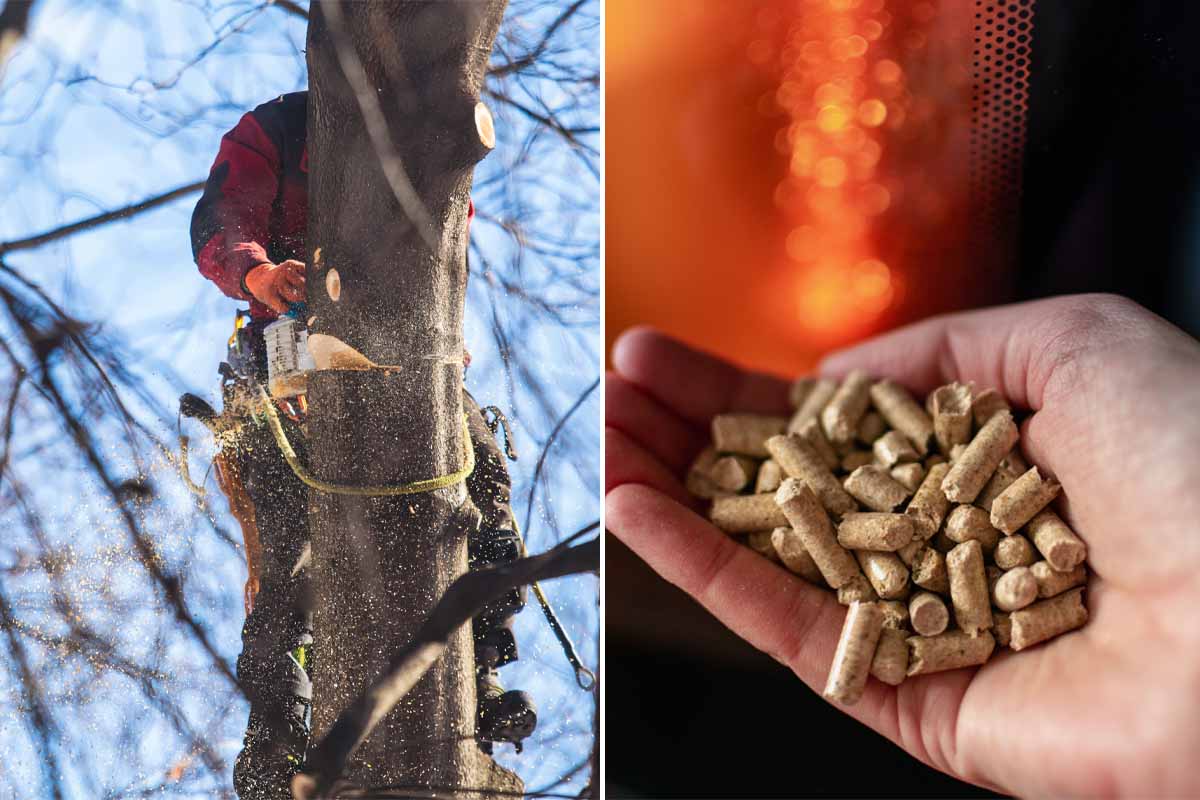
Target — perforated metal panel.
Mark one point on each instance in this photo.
(1003, 33)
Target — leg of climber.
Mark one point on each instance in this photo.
(277, 637)
(503, 716)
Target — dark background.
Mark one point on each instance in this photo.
(1110, 203)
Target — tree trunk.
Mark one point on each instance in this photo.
(380, 564)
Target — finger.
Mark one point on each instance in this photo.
(1021, 350)
(663, 434)
(692, 384)
(793, 621)
(627, 462)
(292, 293)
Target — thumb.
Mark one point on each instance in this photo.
(1025, 351)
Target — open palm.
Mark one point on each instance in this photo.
(1112, 709)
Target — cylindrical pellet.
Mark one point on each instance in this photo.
(993, 573)
(857, 458)
(1011, 467)
(875, 489)
(910, 550)
(698, 481)
(936, 458)
(1002, 627)
(950, 407)
(1014, 551)
(942, 543)
(927, 614)
(874, 531)
(745, 434)
(972, 470)
(746, 513)
(893, 448)
(871, 427)
(811, 433)
(808, 518)
(890, 663)
(895, 614)
(929, 505)
(986, 405)
(770, 475)
(840, 417)
(1051, 582)
(970, 522)
(858, 590)
(969, 588)
(929, 571)
(799, 391)
(949, 650)
(908, 475)
(793, 555)
(854, 654)
(732, 473)
(885, 571)
(1016, 589)
(813, 404)
(800, 460)
(760, 542)
(1057, 543)
(1022, 500)
(897, 406)
(1047, 619)
(956, 452)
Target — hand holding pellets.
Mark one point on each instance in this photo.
(870, 494)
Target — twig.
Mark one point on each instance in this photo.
(558, 426)
(290, 6)
(465, 598)
(62, 232)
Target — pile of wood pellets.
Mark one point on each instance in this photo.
(926, 522)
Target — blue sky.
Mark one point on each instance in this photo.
(104, 106)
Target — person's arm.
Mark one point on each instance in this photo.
(230, 224)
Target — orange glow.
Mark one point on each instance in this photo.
(812, 184)
(830, 171)
(831, 119)
(888, 72)
(872, 113)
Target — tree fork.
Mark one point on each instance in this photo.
(394, 134)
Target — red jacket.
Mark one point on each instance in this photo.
(255, 204)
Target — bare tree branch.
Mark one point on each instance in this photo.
(465, 598)
(558, 426)
(123, 213)
(291, 6)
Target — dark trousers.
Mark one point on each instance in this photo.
(277, 636)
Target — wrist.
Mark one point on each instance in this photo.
(245, 275)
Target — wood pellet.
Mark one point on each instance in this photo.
(923, 519)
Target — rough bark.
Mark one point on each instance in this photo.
(381, 563)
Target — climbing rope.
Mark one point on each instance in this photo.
(413, 487)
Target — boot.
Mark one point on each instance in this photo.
(503, 716)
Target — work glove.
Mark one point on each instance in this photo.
(277, 286)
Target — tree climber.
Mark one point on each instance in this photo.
(248, 237)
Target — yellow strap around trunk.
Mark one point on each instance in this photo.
(414, 487)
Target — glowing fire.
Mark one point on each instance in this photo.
(847, 99)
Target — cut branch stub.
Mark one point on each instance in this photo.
(485, 126)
